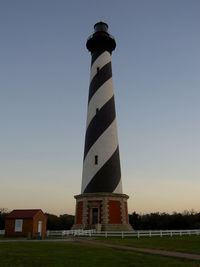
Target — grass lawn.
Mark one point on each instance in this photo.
(74, 254)
(190, 244)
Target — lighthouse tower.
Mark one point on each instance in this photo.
(101, 204)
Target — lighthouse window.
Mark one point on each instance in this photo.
(97, 110)
(96, 160)
(98, 69)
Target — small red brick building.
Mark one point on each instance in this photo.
(23, 223)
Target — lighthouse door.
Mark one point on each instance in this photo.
(95, 215)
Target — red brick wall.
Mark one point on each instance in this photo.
(9, 227)
(40, 216)
(29, 226)
(79, 212)
(26, 227)
(114, 212)
(126, 211)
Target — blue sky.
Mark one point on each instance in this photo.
(44, 69)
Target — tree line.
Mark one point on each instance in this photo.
(165, 221)
(150, 221)
(62, 222)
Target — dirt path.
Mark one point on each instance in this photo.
(144, 250)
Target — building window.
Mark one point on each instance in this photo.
(96, 160)
(18, 225)
(98, 69)
(97, 110)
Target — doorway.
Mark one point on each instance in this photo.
(95, 215)
(40, 228)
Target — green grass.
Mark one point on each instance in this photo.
(80, 255)
(5, 238)
(190, 244)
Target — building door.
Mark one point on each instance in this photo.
(40, 227)
(95, 215)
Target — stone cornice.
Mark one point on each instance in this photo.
(104, 194)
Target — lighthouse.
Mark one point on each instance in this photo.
(101, 204)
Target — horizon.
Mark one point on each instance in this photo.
(6, 211)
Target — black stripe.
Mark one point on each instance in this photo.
(108, 177)
(100, 78)
(99, 124)
(95, 56)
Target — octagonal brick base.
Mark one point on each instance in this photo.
(103, 211)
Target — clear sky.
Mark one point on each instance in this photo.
(44, 81)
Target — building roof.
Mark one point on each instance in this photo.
(22, 214)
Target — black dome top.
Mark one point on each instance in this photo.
(101, 40)
(101, 26)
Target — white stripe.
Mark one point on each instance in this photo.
(104, 147)
(102, 60)
(118, 189)
(103, 94)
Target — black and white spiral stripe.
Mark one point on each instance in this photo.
(101, 131)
